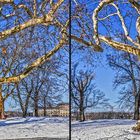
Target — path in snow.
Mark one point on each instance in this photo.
(104, 130)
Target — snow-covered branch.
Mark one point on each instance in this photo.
(6, 1)
(46, 19)
(124, 27)
(94, 46)
(95, 18)
(120, 46)
(135, 48)
(35, 64)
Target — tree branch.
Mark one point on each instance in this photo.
(94, 46)
(35, 64)
(6, 1)
(8, 94)
(107, 16)
(25, 8)
(135, 5)
(115, 44)
(124, 26)
(47, 19)
(95, 19)
(120, 46)
(35, 8)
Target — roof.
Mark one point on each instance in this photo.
(63, 104)
(54, 107)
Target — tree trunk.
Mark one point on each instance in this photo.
(45, 106)
(36, 109)
(36, 105)
(82, 116)
(77, 116)
(24, 113)
(136, 108)
(2, 116)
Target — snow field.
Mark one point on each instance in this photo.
(32, 127)
(104, 130)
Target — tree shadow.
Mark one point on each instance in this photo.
(15, 121)
(104, 123)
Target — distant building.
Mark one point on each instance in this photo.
(61, 110)
(9, 114)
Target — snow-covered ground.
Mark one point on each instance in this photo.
(34, 127)
(115, 129)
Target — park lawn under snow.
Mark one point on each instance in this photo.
(32, 127)
(115, 129)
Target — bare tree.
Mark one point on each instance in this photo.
(127, 68)
(23, 94)
(50, 94)
(84, 93)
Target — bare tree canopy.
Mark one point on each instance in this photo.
(84, 92)
(134, 48)
(34, 19)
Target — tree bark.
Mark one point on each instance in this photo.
(82, 116)
(23, 108)
(77, 116)
(24, 114)
(45, 106)
(36, 104)
(2, 116)
(136, 108)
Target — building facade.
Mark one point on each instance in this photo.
(61, 110)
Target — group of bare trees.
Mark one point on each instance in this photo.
(43, 22)
(127, 79)
(40, 89)
(32, 33)
(40, 86)
(106, 23)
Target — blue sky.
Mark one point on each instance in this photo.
(104, 74)
(104, 81)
